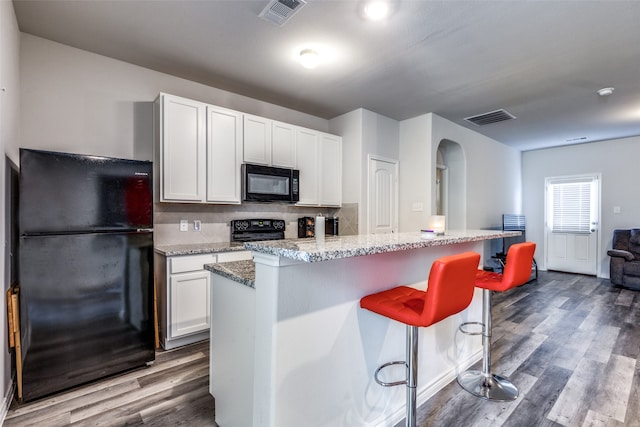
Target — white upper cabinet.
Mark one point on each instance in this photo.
(319, 159)
(330, 170)
(224, 155)
(268, 142)
(182, 148)
(257, 140)
(283, 145)
(307, 162)
(200, 150)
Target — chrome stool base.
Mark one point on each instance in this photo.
(494, 387)
(411, 378)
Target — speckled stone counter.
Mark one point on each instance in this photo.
(309, 250)
(239, 271)
(198, 248)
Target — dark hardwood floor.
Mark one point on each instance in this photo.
(569, 342)
(174, 391)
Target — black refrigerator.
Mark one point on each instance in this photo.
(85, 268)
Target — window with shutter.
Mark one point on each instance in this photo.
(572, 205)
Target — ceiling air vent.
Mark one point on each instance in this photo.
(490, 118)
(280, 11)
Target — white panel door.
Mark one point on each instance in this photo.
(383, 196)
(189, 303)
(571, 218)
(182, 149)
(224, 155)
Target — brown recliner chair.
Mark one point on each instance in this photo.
(624, 268)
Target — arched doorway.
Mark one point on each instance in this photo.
(450, 184)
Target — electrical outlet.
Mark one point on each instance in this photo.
(197, 225)
(184, 225)
(616, 209)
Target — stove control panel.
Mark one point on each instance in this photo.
(257, 225)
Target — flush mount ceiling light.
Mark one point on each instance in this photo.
(605, 91)
(376, 10)
(309, 58)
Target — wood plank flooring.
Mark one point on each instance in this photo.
(571, 344)
(174, 391)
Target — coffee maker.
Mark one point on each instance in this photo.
(307, 226)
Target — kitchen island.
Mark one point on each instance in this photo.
(292, 346)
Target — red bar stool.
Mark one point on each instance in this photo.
(449, 291)
(516, 272)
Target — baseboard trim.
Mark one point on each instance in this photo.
(6, 402)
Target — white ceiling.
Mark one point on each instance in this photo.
(542, 61)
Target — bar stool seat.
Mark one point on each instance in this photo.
(517, 271)
(449, 291)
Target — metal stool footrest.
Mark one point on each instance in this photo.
(392, 384)
(489, 387)
(463, 328)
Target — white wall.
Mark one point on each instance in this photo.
(417, 172)
(493, 185)
(349, 126)
(616, 160)
(9, 135)
(363, 133)
(77, 101)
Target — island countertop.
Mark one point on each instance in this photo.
(311, 250)
(239, 271)
(301, 327)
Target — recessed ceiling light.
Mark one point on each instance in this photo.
(605, 91)
(309, 58)
(376, 10)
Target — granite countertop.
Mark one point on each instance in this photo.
(197, 248)
(239, 271)
(308, 250)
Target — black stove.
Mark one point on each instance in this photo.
(251, 230)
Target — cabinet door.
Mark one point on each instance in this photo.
(330, 170)
(189, 303)
(257, 140)
(182, 148)
(224, 155)
(283, 145)
(307, 162)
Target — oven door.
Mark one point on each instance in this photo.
(269, 184)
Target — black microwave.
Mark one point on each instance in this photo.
(269, 184)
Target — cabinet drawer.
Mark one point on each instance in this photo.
(190, 263)
(234, 256)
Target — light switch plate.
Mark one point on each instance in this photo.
(184, 225)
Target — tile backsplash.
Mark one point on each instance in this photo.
(215, 220)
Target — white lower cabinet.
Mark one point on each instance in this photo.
(189, 309)
(183, 291)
